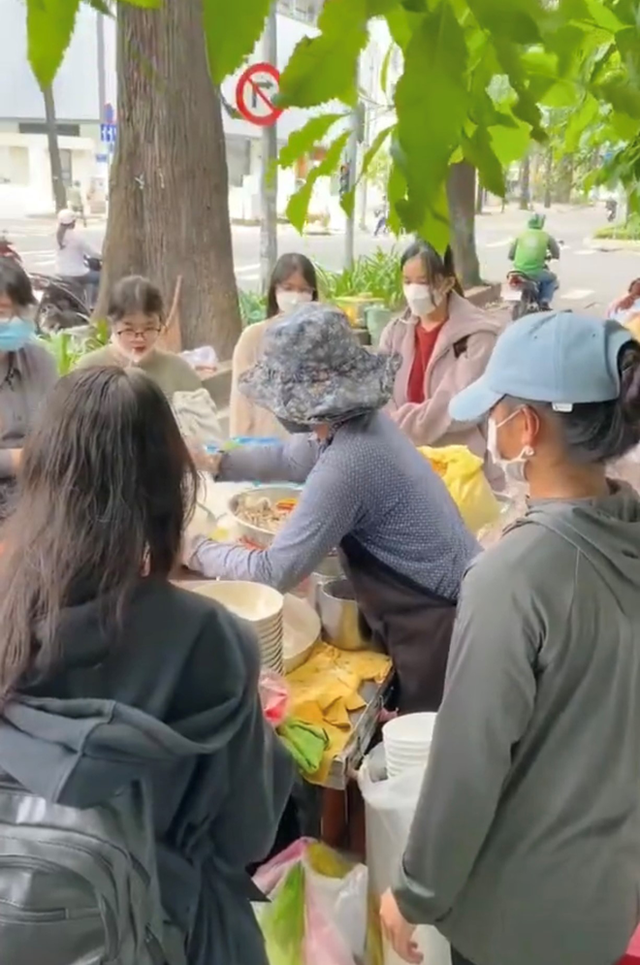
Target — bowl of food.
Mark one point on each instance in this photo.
(260, 512)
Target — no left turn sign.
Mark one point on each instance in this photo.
(255, 92)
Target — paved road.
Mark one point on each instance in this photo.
(589, 278)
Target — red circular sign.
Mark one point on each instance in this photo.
(255, 91)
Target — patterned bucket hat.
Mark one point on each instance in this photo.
(313, 370)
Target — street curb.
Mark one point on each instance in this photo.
(613, 244)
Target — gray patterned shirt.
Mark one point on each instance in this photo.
(370, 482)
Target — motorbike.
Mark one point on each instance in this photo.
(64, 303)
(523, 293)
(7, 250)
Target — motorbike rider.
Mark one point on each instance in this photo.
(529, 254)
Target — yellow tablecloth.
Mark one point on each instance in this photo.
(325, 691)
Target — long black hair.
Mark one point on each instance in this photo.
(436, 267)
(107, 484)
(15, 283)
(286, 266)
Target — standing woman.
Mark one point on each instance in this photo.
(293, 283)
(110, 674)
(525, 847)
(445, 343)
(27, 372)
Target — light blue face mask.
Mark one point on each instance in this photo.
(15, 333)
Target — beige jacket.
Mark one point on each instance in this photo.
(245, 418)
(460, 356)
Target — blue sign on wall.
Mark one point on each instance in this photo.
(108, 133)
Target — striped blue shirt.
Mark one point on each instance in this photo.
(368, 481)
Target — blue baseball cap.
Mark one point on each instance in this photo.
(555, 357)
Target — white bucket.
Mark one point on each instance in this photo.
(407, 741)
(390, 805)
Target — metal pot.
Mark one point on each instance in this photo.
(326, 572)
(339, 615)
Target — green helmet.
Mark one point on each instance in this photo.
(536, 221)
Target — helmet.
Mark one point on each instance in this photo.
(536, 221)
(66, 217)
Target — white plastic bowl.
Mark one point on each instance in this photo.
(252, 602)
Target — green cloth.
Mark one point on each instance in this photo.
(531, 251)
(170, 372)
(305, 743)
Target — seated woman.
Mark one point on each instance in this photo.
(27, 372)
(136, 318)
(368, 491)
(445, 343)
(293, 283)
(110, 674)
(534, 770)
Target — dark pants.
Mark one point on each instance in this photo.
(457, 959)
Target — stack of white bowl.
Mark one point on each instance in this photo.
(407, 742)
(261, 607)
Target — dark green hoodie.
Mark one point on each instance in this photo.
(525, 849)
(174, 699)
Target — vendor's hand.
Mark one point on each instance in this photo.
(204, 461)
(398, 932)
(199, 528)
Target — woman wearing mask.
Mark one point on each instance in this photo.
(136, 319)
(110, 674)
(445, 343)
(368, 492)
(293, 283)
(73, 252)
(27, 372)
(524, 847)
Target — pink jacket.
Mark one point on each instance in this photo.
(459, 358)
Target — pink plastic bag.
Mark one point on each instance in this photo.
(274, 697)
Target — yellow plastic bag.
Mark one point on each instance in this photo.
(463, 476)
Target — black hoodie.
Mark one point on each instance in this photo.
(175, 698)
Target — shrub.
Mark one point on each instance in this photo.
(378, 276)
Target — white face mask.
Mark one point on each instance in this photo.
(287, 300)
(514, 469)
(422, 300)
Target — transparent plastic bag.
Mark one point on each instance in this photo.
(274, 697)
(319, 911)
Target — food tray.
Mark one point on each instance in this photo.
(256, 534)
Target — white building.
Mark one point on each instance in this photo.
(79, 87)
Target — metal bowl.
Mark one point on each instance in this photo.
(256, 534)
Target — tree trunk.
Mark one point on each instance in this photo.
(168, 210)
(548, 178)
(57, 181)
(461, 194)
(479, 195)
(525, 184)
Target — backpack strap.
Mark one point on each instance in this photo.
(460, 347)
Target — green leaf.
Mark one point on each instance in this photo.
(230, 35)
(50, 25)
(303, 141)
(510, 143)
(580, 120)
(324, 68)
(429, 127)
(100, 6)
(622, 96)
(374, 147)
(515, 20)
(299, 202)
(479, 151)
(384, 70)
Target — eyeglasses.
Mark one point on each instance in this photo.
(129, 334)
